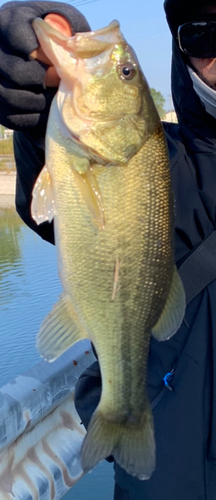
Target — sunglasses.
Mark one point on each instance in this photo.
(198, 39)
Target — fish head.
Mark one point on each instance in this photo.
(104, 99)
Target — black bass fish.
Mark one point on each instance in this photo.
(107, 182)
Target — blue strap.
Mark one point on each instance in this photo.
(167, 379)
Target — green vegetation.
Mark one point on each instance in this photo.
(6, 149)
(159, 101)
(7, 164)
(3, 166)
(2, 128)
(6, 146)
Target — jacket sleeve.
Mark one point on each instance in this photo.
(88, 392)
(24, 102)
(29, 157)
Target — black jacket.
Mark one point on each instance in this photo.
(185, 418)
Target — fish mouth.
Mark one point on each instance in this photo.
(91, 44)
(83, 45)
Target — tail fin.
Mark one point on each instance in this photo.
(132, 445)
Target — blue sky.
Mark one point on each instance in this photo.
(144, 26)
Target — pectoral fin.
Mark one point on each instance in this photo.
(43, 206)
(59, 330)
(88, 186)
(173, 313)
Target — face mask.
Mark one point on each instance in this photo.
(204, 92)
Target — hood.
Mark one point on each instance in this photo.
(181, 11)
(194, 169)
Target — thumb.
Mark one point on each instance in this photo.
(61, 24)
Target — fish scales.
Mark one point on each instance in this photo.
(110, 189)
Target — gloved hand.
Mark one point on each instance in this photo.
(24, 102)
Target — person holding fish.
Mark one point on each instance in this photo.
(107, 182)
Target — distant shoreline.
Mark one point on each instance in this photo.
(7, 189)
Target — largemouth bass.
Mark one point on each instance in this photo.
(107, 183)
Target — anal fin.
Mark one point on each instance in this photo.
(59, 330)
(174, 310)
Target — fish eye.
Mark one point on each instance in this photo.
(127, 71)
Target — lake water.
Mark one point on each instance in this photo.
(29, 286)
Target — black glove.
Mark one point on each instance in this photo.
(24, 103)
